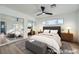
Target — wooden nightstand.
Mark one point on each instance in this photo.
(31, 33)
(67, 37)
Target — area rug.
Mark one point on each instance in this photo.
(66, 48)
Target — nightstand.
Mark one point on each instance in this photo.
(31, 33)
(40, 32)
(67, 37)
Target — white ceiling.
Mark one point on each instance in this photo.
(33, 9)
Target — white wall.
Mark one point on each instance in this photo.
(70, 19)
(78, 24)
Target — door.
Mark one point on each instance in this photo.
(2, 27)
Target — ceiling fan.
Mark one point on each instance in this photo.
(44, 12)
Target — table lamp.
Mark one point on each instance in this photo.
(68, 28)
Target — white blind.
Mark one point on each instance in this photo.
(53, 22)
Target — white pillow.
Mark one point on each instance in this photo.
(54, 31)
(28, 30)
(46, 31)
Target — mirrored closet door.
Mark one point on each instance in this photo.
(11, 25)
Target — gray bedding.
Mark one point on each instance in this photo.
(38, 47)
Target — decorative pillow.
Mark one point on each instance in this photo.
(28, 30)
(46, 31)
(54, 31)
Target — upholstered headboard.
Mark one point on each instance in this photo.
(53, 28)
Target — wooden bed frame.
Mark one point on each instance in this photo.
(53, 28)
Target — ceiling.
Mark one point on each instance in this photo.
(33, 9)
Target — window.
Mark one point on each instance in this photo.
(53, 22)
(60, 21)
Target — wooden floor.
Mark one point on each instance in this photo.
(19, 48)
(11, 49)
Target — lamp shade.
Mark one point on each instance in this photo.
(68, 28)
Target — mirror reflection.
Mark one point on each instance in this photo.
(11, 25)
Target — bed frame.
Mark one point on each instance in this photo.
(40, 47)
(53, 28)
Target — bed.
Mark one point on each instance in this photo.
(52, 41)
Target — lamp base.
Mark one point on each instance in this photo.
(68, 31)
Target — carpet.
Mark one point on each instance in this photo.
(66, 48)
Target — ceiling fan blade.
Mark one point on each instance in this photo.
(49, 13)
(39, 14)
(42, 8)
(53, 5)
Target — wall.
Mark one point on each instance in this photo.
(70, 20)
(78, 24)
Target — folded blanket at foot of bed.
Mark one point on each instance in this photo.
(38, 47)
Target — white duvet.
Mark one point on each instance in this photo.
(53, 41)
(55, 37)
